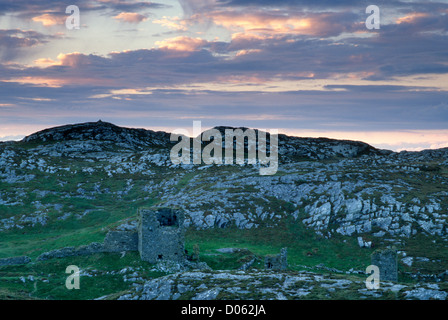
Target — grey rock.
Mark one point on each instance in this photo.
(408, 261)
(208, 294)
(15, 261)
(426, 294)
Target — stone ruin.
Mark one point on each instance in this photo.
(386, 261)
(158, 236)
(161, 235)
(119, 241)
(277, 262)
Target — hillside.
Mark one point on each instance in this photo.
(331, 203)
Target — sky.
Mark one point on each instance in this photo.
(308, 68)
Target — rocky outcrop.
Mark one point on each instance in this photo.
(15, 261)
(263, 285)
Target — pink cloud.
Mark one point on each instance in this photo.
(172, 23)
(412, 17)
(130, 17)
(49, 20)
(182, 43)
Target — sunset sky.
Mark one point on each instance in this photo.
(304, 67)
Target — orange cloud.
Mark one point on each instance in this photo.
(410, 18)
(38, 81)
(182, 44)
(172, 22)
(263, 23)
(46, 62)
(130, 17)
(49, 20)
(246, 52)
(72, 59)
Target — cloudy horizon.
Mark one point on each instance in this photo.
(307, 68)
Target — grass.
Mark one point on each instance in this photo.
(428, 247)
(50, 277)
(304, 247)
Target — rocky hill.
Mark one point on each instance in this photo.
(101, 131)
(331, 202)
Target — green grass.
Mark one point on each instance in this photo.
(228, 261)
(53, 271)
(304, 247)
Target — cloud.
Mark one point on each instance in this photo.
(48, 19)
(396, 140)
(45, 62)
(15, 42)
(130, 17)
(182, 43)
(191, 7)
(293, 23)
(172, 23)
(258, 57)
(323, 18)
(317, 5)
(47, 12)
(412, 17)
(265, 20)
(276, 3)
(380, 88)
(130, 5)
(21, 38)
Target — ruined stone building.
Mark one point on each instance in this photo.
(386, 261)
(161, 235)
(278, 261)
(158, 236)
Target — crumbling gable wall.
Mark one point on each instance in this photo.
(161, 235)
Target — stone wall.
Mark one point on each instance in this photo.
(118, 241)
(115, 241)
(92, 248)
